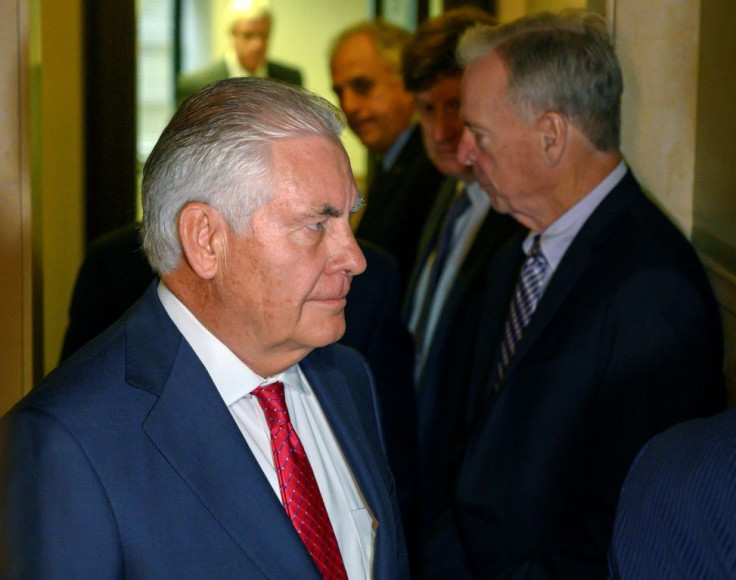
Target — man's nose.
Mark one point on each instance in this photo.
(466, 150)
(349, 101)
(446, 126)
(348, 256)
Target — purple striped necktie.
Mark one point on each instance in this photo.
(523, 304)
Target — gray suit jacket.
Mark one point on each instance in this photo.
(189, 83)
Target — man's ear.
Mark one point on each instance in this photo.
(553, 130)
(203, 235)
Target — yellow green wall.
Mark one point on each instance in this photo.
(59, 193)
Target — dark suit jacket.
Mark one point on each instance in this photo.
(441, 415)
(189, 83)
(625, 341)
(115, 273)
(125, 462)
(677, 512)
(428, 240)
(398, 203)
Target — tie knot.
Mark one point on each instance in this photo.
(536, 249)
(458, 207)
(536, 259)
(272, 401)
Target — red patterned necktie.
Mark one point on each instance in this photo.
(299, 491)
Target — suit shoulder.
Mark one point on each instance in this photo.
(211, 72)
(676, 511)
(631, 233)
(696, 449)
(190, 82)
(84, 381)
(282, 72)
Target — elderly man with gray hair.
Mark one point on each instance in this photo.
(599, 329)
(215, 431)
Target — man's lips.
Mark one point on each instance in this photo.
(446, 152)
(337, 303)
(332, 297)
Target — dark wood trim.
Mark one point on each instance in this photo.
(109, 114)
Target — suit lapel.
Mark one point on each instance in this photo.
(193, 429)
(338, 403)
(428, 240)
(574, 263)
(335, 397)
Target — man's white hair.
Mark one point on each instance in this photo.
(246, 10)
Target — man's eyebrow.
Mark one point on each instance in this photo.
(359, 203)
(468, 123)
(323, 210)
(473, 125)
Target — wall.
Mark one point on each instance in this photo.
(657, 43)
(511, 9)
(714, 216)
(61, 197)
(16, 362)
(678, 130)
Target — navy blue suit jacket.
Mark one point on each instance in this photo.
(441, 413)
(677, 512)
(625, 341)
(126, 463)
(115, 273)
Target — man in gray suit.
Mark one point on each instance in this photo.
(249, 24)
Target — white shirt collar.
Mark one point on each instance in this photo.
(231, 376)
(389, 158)
(235, 69)
(556, 239)
(478, 198)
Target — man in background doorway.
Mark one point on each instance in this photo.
(249, 24)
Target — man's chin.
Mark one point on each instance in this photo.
(370, 140)
(327, 331)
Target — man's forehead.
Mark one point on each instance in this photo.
(436, 95)
(359, 52)
(249, 24)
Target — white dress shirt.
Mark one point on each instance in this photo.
(353, 523)
(235, 69)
